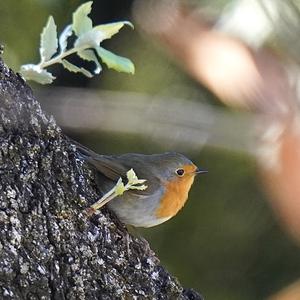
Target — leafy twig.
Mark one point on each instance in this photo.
(133, 183)
(54, 50)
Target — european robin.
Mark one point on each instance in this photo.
(169, 177)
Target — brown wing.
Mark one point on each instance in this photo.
(111, 168)
(106, 165)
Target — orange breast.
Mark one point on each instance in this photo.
(176, 193)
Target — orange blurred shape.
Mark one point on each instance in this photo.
(292, 292)
(281, 171)
(238, 75)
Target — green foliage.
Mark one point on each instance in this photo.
(133, 183)
(35, 73)
(54, 49)
(48, 40)
(116, 62)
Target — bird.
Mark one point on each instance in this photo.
(169, 177)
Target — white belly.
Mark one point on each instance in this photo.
(139, 211)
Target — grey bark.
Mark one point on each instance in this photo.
(49, 249)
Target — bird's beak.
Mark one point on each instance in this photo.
(199, 171)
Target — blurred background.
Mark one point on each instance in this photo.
(218, 81)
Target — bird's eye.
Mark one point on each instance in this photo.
(180, 172)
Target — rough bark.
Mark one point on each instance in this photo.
(49, 249)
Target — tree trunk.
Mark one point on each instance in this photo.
(49, 249)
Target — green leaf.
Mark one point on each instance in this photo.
(133, 181)
(73, 68)
(33, 72)
(96, 35)
(131, 176)
(120, 188)
(48, 45)
(81, 22)
(139, 181)
(138, 187)
(116, 62)
(110, 29)
(90, 39)
(89, 55)
(63, 39)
